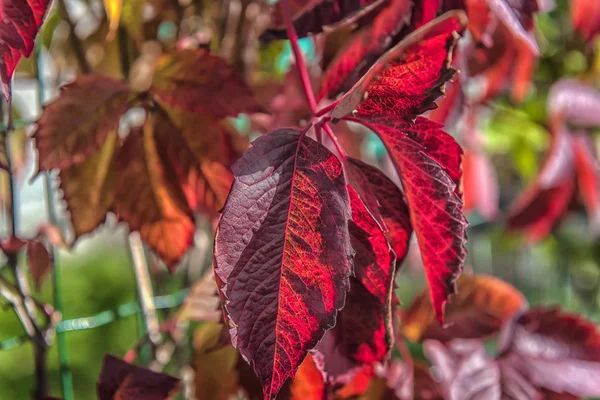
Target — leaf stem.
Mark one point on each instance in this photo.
(327, 109)
(293, 37)
(334, 139)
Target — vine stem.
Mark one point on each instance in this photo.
(23, 304)
(300, 64)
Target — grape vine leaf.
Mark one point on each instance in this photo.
(70, 129)
(310, 17)
(480, 308)
(124, 381)
(406, 80)
(21, 21)
(428, 162)
(198, 81)
(282, 245)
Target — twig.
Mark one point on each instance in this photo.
(142, 278)
(333, 138)
(293, 36)
(75, 42)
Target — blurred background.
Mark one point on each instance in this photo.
(97, 274)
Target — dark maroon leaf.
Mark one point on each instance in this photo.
(123, 381)
(283, 246)
(314, 16)
(467, 372)
(558, 351)
(363, 333)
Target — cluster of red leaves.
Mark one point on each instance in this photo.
(159, 174)
(541, 353)
(571, 165)
(308, 243)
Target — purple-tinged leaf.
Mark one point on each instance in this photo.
(283, 247)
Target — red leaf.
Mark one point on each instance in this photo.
(39, 261)
(310, 17)
(198, 81)
(539, 208)
(468, 373)
(588, 175)
(308, 383)
(283, 246)
(21, 21)
(385, 201)
(409, 77)
(517, 17)
(123, 381)
(425, 11)
(480, 184)
(428, 162)
(70, 129)
(363, 333)
(480, 308)
(585, 16)
(558, 351)
(364, 49)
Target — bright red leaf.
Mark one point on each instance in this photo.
(385, 201)
(364, 48)
(21, 21)
(314, 16)
(123, 381)
(428, 162)
(283, 246)
(363, 332)
(585, 16)
(480, 184)
(407, 79)
(539, 208)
